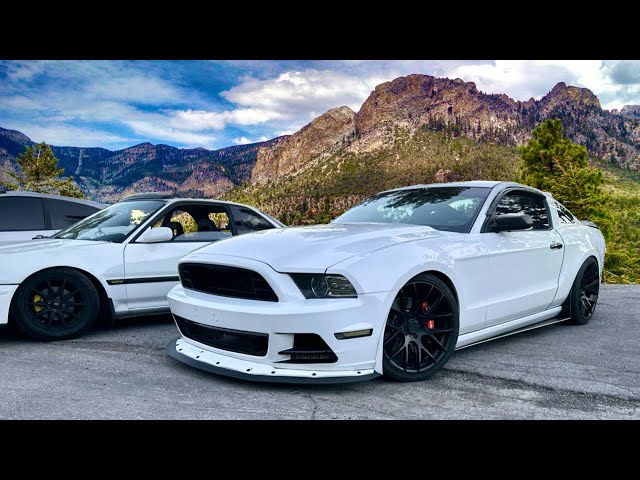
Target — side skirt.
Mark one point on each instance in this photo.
(144, 312)
(539, 320)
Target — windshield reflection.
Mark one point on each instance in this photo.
(443, 208)
(113, 224)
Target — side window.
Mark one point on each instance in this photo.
(21, 214)
(197, 223)
(220, 221)
(248, 221)
(524, 202)
(63, 214)
(564, 214)
(179, 221)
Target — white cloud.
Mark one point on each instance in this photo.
(135, 89)
(198, 120)
(24, 70)
(244, 140)
(160, 130)
(295, 94)
(289, 131)
(63, 135)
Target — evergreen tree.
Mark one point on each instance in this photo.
(39, 172)
(555, 164)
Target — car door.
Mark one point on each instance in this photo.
(151, 269)
(524, 265)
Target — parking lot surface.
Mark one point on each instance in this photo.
(557, 372)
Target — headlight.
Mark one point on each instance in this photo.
(313, 285)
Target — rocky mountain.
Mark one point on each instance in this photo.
(311, 144)
(406, 104)
(632, 111)
(108, 175)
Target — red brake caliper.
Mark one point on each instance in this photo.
(430, 324)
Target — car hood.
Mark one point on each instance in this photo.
(316, 248)
(44, 246)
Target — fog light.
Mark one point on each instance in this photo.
(354, 334)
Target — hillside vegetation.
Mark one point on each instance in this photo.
(319, 194)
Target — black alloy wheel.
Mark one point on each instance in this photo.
(584, 293)
(421, 330)
(55, 304)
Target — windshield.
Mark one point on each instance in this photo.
(113, 224)
(444, 208)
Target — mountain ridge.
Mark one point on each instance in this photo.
(107, 175)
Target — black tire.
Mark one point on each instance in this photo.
(583, 297)
(55, 304)
(423, 326)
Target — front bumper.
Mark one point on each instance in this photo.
(209, 361)
(282, 321)
(6, 295)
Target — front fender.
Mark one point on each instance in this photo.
(102, 262)
(461, 258)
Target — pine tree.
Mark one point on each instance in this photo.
(39, 172)
(554, 163)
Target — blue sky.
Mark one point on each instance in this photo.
(213, 104)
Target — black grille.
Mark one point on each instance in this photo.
(226, 281)
(249, 343)
(309, 348)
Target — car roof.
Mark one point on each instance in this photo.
(91, 203)
(208, 200)
(473, 183)
(168, 198)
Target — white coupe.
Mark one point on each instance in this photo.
(121, 261)
(391, 287)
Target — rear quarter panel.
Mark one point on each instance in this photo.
(580, 243)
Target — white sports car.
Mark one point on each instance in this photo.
(391, 287)
(121, 261)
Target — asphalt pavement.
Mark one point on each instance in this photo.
(557, 372)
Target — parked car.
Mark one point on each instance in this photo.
(25, 215)
(121, 261)
(390, 287)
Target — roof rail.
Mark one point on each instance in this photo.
(148, 196)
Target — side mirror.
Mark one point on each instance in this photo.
(155, 235)
(512, 221)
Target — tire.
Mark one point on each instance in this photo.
(583, 297)
(40, 312)
(421, 330)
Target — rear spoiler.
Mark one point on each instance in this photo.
(588, 223)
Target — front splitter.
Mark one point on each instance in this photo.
(208, 361)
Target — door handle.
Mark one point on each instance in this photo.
(555, 245)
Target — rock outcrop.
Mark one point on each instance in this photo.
(311, 144)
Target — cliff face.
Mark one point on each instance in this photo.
(311, 144)
(416, 100)
(632, 111)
